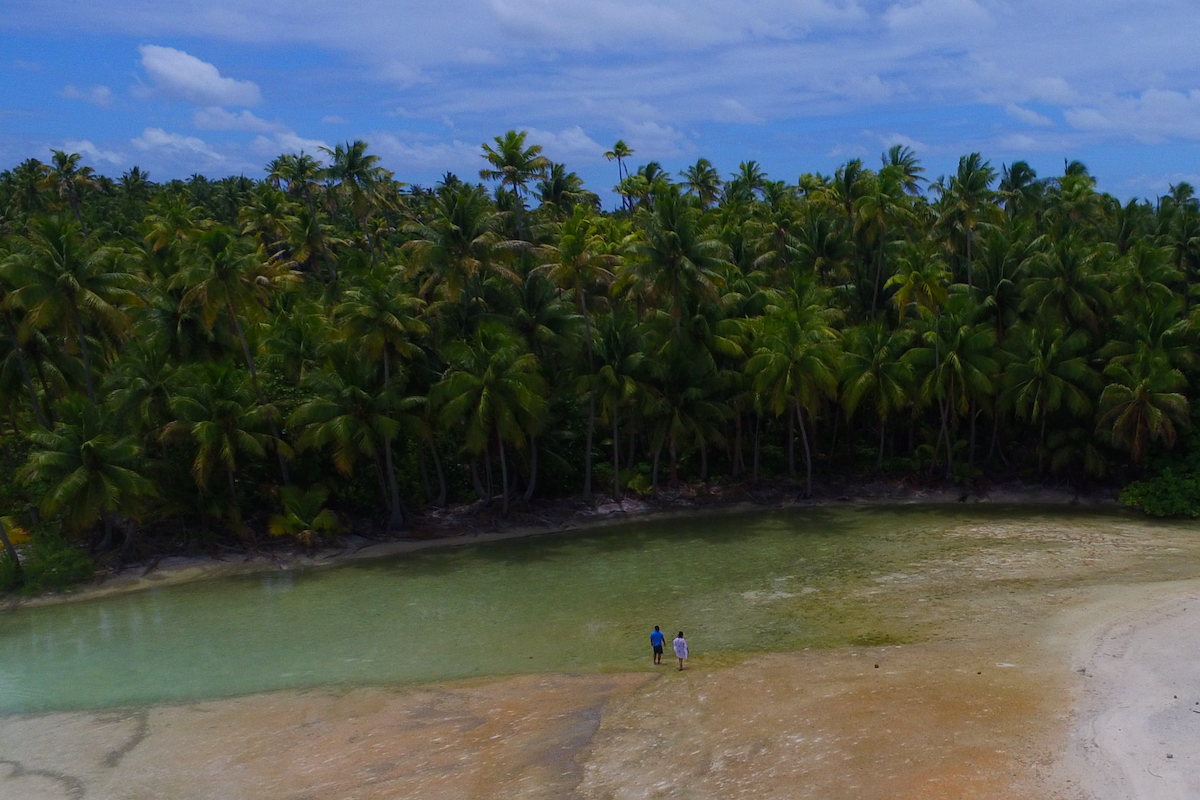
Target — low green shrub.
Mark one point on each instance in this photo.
(1166, 495)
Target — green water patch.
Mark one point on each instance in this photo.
(581, 602)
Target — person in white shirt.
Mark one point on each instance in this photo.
(681, 649)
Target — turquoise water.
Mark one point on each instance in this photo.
(580, 602)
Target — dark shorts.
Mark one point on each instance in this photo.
(658, 649)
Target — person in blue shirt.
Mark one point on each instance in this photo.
(656, 641)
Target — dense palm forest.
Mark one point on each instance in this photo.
(200, 361)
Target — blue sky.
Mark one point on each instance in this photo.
(221, 87)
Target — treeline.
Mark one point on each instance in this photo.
(242, 356)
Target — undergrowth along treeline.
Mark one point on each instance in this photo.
(237, 357)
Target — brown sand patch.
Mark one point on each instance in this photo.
(932, 721)
(518, 737)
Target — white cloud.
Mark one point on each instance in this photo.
(158, 140)
(175, 73)
(96, 95)
(730, 110)
(332, 119)
(401, 74)
(567, 145)
(416, 151)
(1026, 115)
(286, 142)
(654, 140)
(934, 16)
(887, 140)
(86, 148)
(1153, 116)
(1052, 90)
(215, 118)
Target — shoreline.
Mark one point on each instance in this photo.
(1136, 709)
(460, 525)
(1062, 689)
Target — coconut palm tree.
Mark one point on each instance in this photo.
(458, 243)
(65, 284)
(226, 276)
(905, 162)
(674, 261)
(966, 203)
(86, 472)
(304, 516)
(1049, 370)
(703, 182)
(959, 368)
(513, 163)
(1065, 284)
(580, 264)
(620, 151)
(561, 192)
(795, 364)
(1141, 404)
(358, 176)
(215, 412)
(873, 368)
(492, 388)
(67, 179)
(351, 412)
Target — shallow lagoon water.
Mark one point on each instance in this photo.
(579, 602)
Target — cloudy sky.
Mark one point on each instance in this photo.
(221, 86)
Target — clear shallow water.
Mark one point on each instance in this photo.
(579, 602)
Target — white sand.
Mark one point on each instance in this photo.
(1137, 731)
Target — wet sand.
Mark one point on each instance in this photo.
(993, 716)
(1062, 667)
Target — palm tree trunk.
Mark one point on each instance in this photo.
(533, 466)
(970, 276)
(974, 417)
(937, 446)
(262, 401)
(704, 461)
(233, 493)
(757, 427)
(312, 210)
(441, 474)
(33, 398)
(616, 437)
(503, 477)
(737, 445)
(9, 550)
(85, 353)
(878, 278)
(424, 475)
(487, 471)
(882, 437)
(581, 299)
(591, 429)
(396, 520)
(807, 451)
(949, 443)
(673, 476)
(654, 475)
(791, 430)
(1042, 447)
(475, 482)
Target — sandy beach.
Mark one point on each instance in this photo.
(1070, 674)
(1137, 729)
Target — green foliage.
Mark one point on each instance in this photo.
(51, 563)
(1167, 495)
(186, 354)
